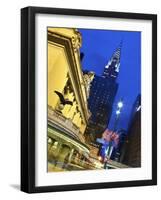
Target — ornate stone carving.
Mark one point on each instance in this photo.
(76, 40)
(88, 78)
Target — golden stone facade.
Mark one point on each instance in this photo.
(68, 90)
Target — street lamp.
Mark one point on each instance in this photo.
(118, 112)
(120, 104)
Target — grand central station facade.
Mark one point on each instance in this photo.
(68, 113)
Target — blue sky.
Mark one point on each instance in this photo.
(98, 47)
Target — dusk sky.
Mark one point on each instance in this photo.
(98, 47)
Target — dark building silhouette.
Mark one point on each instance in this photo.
(136, 107)
(132, 147)
(102, 94)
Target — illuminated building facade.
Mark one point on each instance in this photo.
(102, 94)
(68, 90)
(112, 68)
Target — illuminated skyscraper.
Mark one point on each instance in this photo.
(111, 70)
(102, 94)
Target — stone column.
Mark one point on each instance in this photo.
(76, 118)
(72, 110)
(71, 154)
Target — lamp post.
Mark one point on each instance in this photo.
(118, 112)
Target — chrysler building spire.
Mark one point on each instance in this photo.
(111, 70)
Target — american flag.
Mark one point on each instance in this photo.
(111, 136)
